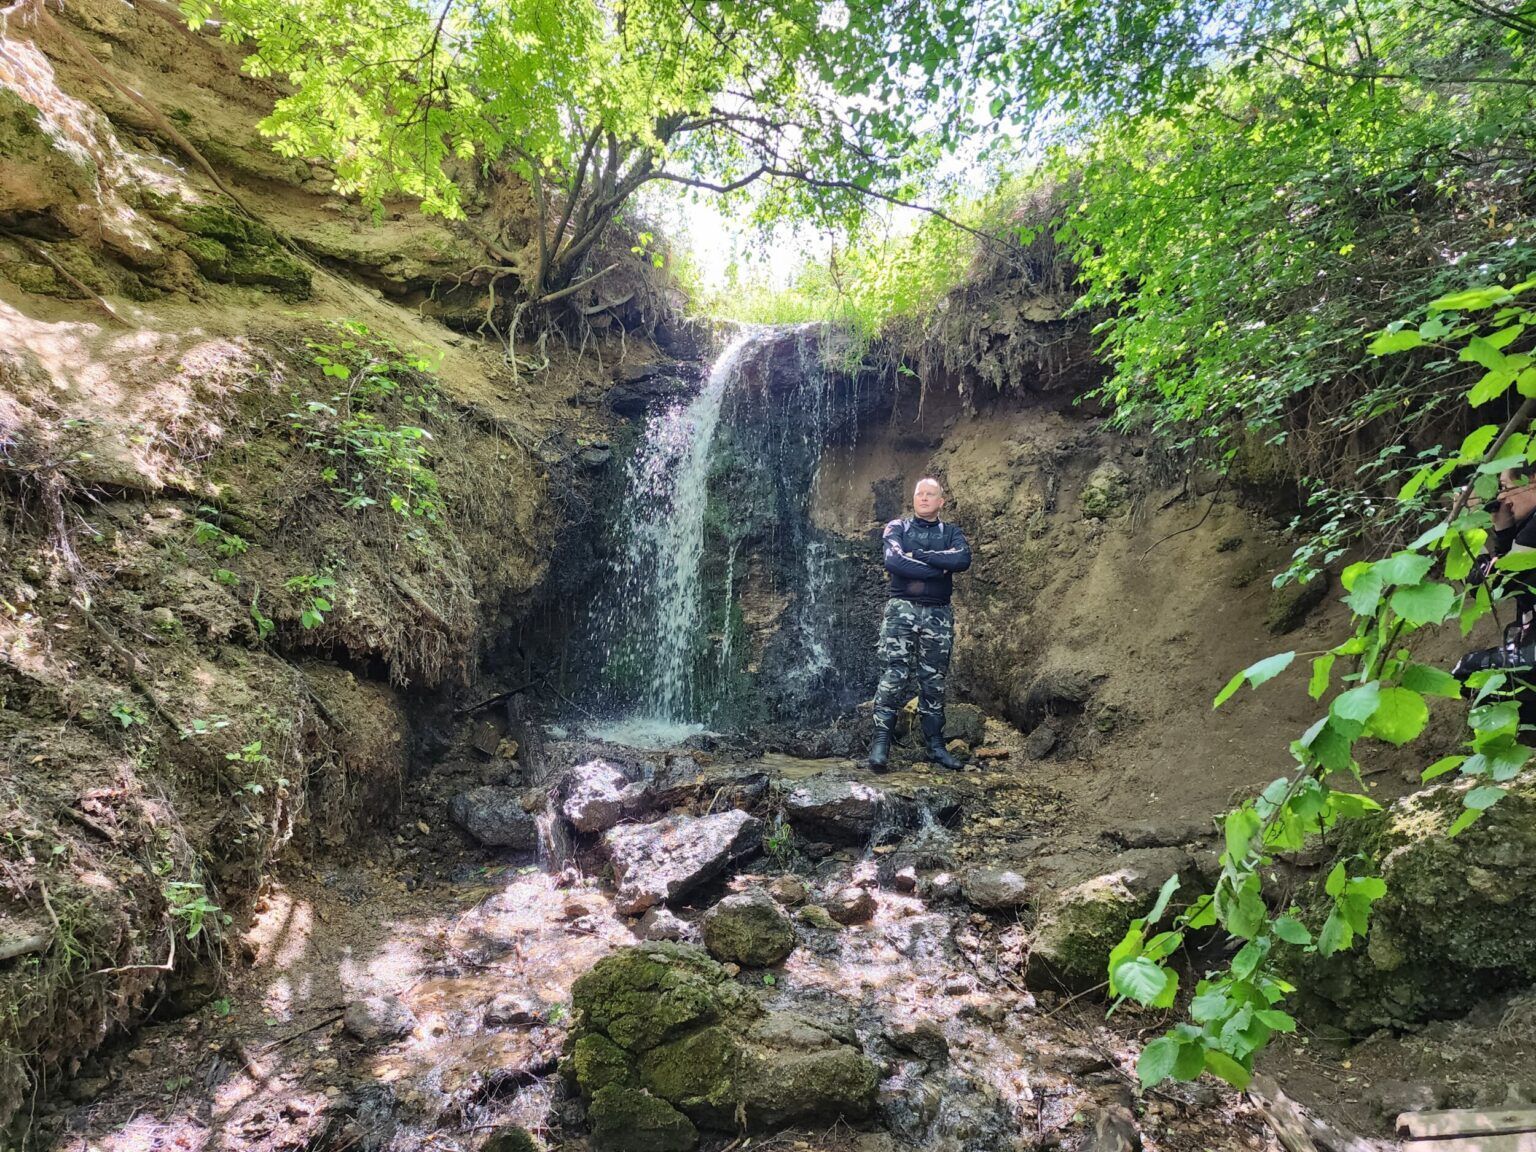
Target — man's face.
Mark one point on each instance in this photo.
(927, 499)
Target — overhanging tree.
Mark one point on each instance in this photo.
(586, 101)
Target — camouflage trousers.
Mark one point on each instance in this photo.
(915, 640)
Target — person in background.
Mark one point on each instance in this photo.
(922, 554)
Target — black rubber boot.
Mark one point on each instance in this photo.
(879, 749)
(937, 753)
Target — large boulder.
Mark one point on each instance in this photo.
(1077, 926)
(494, 815)
(598, 794)
(835, 810)
(749, 929)
(1453, 929)
(657, 863)
(664, 1023)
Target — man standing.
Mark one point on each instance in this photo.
(921, 554)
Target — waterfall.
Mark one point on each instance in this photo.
(656, 619)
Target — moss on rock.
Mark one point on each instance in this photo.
(699, 1074)
(749, 929)
(632, 1120)
(597, 1062)
(230, 248)
(1453, 926)
(642, 997)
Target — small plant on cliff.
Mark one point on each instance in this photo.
(312, 587)
(1384, 695)
(371, 455)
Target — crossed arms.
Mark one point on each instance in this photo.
(921, 564)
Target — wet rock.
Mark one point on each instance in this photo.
(909, 1105)
(941, 886)
(598, 794)
(924, 1039)
(788, 890)
(1078, 926)
(683, 780)
(494, 815)
(663, 924)
(509, 1008)
(378, 1018)
(994, 889)
(748, 929)
(632, 1120)
(851, 905)
(663, 1022)
(835, 810)
(818, 917)
(656, 863)
(1289, 606)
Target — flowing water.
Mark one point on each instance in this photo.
(656, 617)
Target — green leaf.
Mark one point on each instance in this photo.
(1479, 350)
(1322, 667)
(1468, 817)
(1267, 669)
(1365, 593)
(1292, 931)
(1472, 300)
(1494, 383)
(1441, 767)
(1337, 878)
(1157, 1061)
(1400, 716)
(1210, 1003)
(1427, 603)
(1227, 1068)
(1517, 561)
(1481, 799)
(1390, 342)
(1431, 681)
(1232, 686)
(1140, 979)
(1165, 894)
(1274, 1018)
(1336, 935)
(1358, 704)
(1241, 827)
(1403, 567)
(1191, 1060)
(1260, 672)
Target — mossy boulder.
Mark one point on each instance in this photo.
(632, 1120)
(1077, 928)
(232, 249)
(645, 996)
(662, 1030)
(1106, 493)
(748, 929)
(1453, 928)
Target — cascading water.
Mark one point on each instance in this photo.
(656, 617)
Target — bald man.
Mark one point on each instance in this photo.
(922, 552)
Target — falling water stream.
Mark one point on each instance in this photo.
(658, 611)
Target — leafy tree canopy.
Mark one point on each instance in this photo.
(588, 100)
